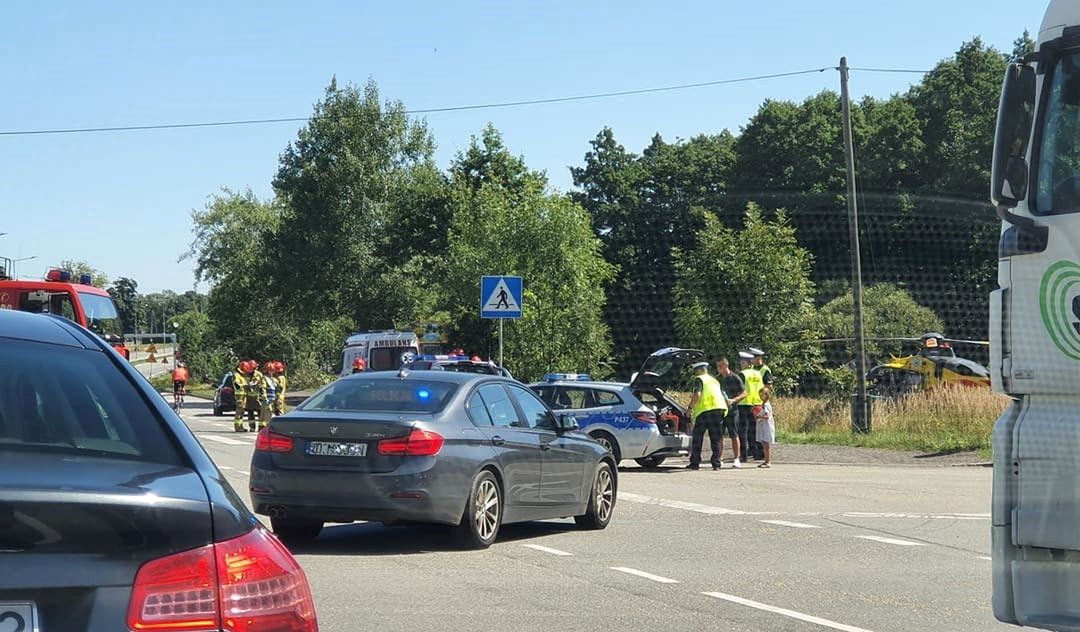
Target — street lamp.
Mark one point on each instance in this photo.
(14, 261)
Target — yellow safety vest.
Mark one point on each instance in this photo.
(712, 396)
(754, 384)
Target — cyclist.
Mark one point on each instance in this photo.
(180, 377)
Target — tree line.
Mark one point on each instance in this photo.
(717, 242)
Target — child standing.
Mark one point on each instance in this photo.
(766, 428)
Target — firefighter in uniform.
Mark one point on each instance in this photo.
(250, 389)
(708, 407)
(270, 399)
(748, 427)
(240, 380)
(282, 383)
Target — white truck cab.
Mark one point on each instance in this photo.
(385, 350)
(1035, 332)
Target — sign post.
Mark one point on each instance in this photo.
(500, 297)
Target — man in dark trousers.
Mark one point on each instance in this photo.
(753, 384)
(735, 389)
(708, 407)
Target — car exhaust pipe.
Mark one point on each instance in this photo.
(277, 512)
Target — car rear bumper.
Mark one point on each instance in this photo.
(335, 496)
(668, 445)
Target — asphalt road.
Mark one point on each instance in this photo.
(797, 547)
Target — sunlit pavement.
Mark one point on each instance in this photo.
(795, 547)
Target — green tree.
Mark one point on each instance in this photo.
(888, 312)
(125, 293)
(738, 288)
(505, 221)
(336, 183)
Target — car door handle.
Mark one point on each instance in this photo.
(545, 446)
(497, 440)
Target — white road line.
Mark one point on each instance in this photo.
(724, 511)
(225, 440)
(797, 525)
(878, 538)
(988, 559)
(787, 613)
(225, 467)
(546, 549)
(634, 571)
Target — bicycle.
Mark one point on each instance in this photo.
(178, 397)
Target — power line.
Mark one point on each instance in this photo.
(894, 70)
(456, 108)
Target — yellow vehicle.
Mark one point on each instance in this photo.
(934, 365)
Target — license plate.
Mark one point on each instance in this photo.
(332, 448)
(18, 616)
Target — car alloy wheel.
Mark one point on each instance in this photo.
(487, 509)
(605, 494)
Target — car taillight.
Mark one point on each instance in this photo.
(417, 443)
(267, 441)
(646, 416)
(227, 389)
(240, 585)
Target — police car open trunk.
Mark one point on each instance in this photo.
(663, 371)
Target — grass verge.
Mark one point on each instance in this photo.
(942, 421)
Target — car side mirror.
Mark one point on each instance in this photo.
(566, 423)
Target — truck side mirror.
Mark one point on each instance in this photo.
(1016, 112)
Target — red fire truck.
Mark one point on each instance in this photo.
(60, 293)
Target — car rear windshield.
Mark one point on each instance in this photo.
(382, 395)
(64, 399)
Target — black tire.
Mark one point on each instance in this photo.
(481, 520)
(601, 500)
(608, 442)
(651, 462)
(217, 411)
(293, 532)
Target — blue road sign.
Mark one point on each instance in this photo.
(500, 297)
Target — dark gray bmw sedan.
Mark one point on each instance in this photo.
(469, 450)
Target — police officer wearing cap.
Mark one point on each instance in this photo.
(763, 369)
(752, 397)
(708, 407)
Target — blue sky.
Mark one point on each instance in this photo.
(122, 201)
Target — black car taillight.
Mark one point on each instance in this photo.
(267, 441)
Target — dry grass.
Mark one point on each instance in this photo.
(946, 420)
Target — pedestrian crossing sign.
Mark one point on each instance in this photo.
(500, 297)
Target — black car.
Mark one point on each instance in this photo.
(112, 517)
(463, 449)
(224, 397)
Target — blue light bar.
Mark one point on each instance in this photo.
(65, 275)
(85, 279)
(567, 377)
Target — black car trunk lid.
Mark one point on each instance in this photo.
(341, 441)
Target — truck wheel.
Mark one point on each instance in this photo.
(650, 462)
(608, 442)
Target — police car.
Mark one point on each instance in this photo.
(447, 362)
(635, 420)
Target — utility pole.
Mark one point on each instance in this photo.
(860, 414)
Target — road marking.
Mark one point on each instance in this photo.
(546, 549)
(988, 559)
(634, 571)
(225, 467)
(787, 613)
(225, 440)
(878, 538)
(725, 511)
(797, 525)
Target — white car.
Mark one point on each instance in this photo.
(635, 420)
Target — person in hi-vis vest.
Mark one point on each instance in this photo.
(708, 407)
(748, 427)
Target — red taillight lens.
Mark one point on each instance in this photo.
(267, 441)
(227, 389)
(178, 592)
(417, 443)
(241, 585)
(648, 417)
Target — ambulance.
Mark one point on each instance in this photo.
(385, 350)
(60, 293)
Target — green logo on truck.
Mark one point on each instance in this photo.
(1060, 313)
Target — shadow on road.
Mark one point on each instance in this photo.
(372, 538)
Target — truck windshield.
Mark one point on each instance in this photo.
(1058, 166)
(101, 315)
